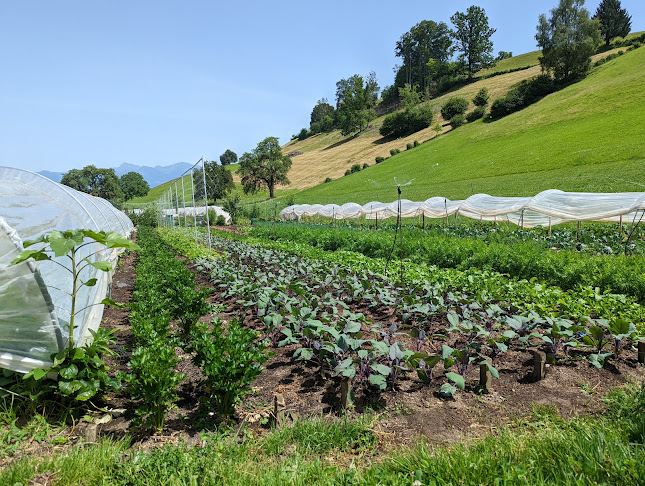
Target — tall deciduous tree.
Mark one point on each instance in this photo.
(228, 157)
(133, 184)
(426, 40)
(97, 182)
(356, 98)
(264, 167)
(614, 20)
(473, 34)
(567, 39)
(219, 181)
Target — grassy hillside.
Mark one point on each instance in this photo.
(331, 154)
(587, 137)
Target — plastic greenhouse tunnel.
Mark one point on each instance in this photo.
(34, 309)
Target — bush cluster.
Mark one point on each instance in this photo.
(454, 106)
(457, 121)
(476, 114)
(523, 94)
(406, 122)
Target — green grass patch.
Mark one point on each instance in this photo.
(541, 449)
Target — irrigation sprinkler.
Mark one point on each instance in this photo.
(398, 230)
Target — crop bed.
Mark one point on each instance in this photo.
(405, 349)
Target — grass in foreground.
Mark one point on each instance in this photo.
(542, 449)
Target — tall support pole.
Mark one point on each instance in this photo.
(208, 222)
(192, 184)
(377, 220)
(183, 198)
(177, 201)
(445, 205)
(423, 215)
(549, 226)
(620, 225)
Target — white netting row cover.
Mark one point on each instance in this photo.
(193, 211)
(548, 207)
(34, 308)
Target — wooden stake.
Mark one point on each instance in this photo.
(539, 365)
(641, 352)
(279, 406)
(620, 225)
(344, 393)
(485, 377)
(549, 226)
(424, 220)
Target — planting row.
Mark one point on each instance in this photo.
(483, 287)
(164, 317)
(522, 254)
(321, 310)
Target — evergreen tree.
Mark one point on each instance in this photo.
(614, 20)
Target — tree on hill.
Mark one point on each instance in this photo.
(219, 181)
(426, 40)
(264, 167)
(355, 99)
(228, 157)
(133, 185)
(97, 182)
(473, 34)
(322, 117)
(567, 39)
(614, 20)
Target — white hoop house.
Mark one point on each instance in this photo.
(34, 308)
(547, 208)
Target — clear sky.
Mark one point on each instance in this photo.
(159, 82)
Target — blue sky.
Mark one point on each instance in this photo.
(154, 83)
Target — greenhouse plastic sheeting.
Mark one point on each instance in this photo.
(549, 207)
(34, 310)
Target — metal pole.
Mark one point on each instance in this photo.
(183, 197)
(208, 222)
(177, 200)
(192, 184)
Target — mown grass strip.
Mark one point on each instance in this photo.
(540, 450)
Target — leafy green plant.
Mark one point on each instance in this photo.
(70, 244)
(154, 380)
(230, 360)
(77, 373)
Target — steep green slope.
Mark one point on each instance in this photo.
(587, 137)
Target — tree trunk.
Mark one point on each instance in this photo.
(271, 196)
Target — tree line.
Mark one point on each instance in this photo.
(436, 58)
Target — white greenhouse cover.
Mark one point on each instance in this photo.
(34, 310)
(549, 207)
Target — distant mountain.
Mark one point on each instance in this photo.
(54, 176)
(153, 175)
